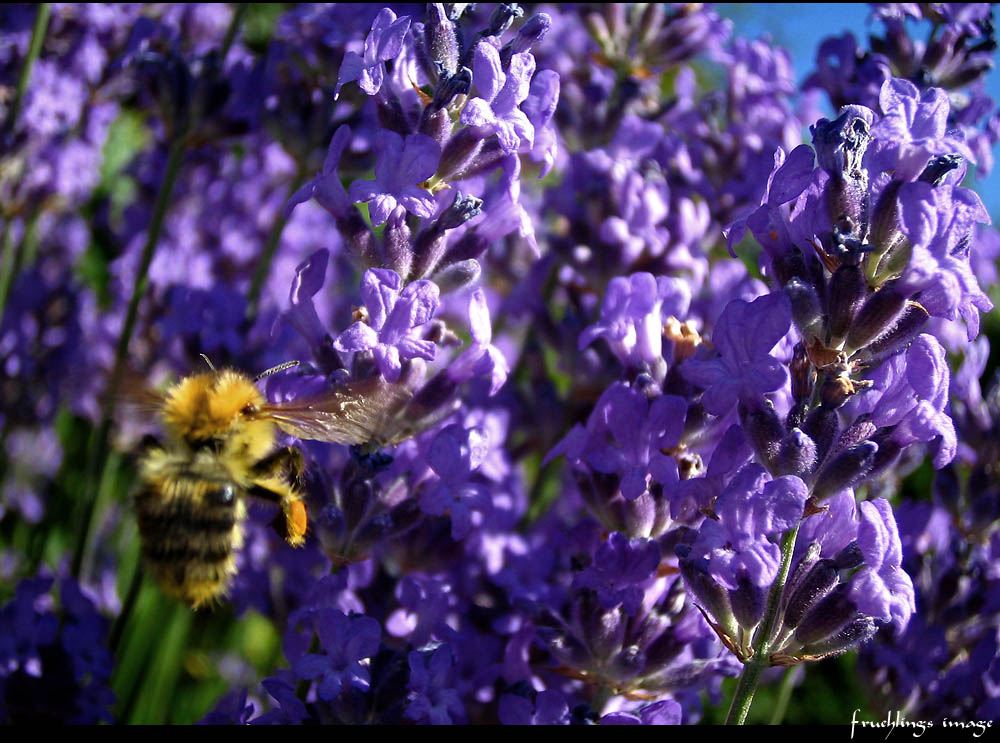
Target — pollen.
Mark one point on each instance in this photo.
(297, 523)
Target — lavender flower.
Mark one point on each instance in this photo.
(346, 641)
(496, 110)
(383, 43)
(392, 315)
(400, 167)
(744, 337)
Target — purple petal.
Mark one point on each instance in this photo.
(350, 70)
(419, 159)
(477, 112)
(487, 74)
(390, 42)
(358, 337)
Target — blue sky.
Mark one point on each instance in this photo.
(800, 27)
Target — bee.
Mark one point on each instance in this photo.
(221, 447)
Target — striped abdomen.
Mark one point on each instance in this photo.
(191, 528)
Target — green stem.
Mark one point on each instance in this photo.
(601, 697)
(115, 636)
(98, 461)
(784, 696)
(34, 49)
(7, 264)
(754, 667)
(270, 248)
(234, 27)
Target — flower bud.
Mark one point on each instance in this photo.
(441, 39)
(531, 32)
(764, 430)
(458, 275)
(861, 430)
(849, 557)
(888, 451)
(860, 630)
(847, 292)
(459, 152)
(790, 266)
(436, 124)
(876, 316)
(434, 395)
(502, 17)
(806, 309)
(822, 426)
(796, 455)
(748, 602)
(802, 374)
(462, 209)
(827, 617)
(905, 328)
(356, 501)
(713, 597)
(372, 532)
(390, 112)
(650, 23)
(470, 246)
(844, 470)
(840, 149)
(396, 242)
(815, 586)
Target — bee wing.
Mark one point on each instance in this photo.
(356, 413)
(134, 395)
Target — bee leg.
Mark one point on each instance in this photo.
(292, 522)
(288, 459)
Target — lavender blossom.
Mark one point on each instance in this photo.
(383, 43)
(496, 110)
(400, 167)
(744, 337)
(392, 315)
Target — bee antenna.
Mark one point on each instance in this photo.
(208, 361)
(275, 370)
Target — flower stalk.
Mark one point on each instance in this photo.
(754, 667)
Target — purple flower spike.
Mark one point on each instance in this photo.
(399, 168)
(882, 589)
(392, 315)
(347, 641)
(454, 455)
(384, 42)
(620, 565)
(744, 336)
(496, 110)
(482, 357)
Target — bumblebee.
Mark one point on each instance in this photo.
(220, 448)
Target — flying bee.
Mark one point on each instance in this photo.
(221, 446)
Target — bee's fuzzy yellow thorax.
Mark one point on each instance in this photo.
(209, 405)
